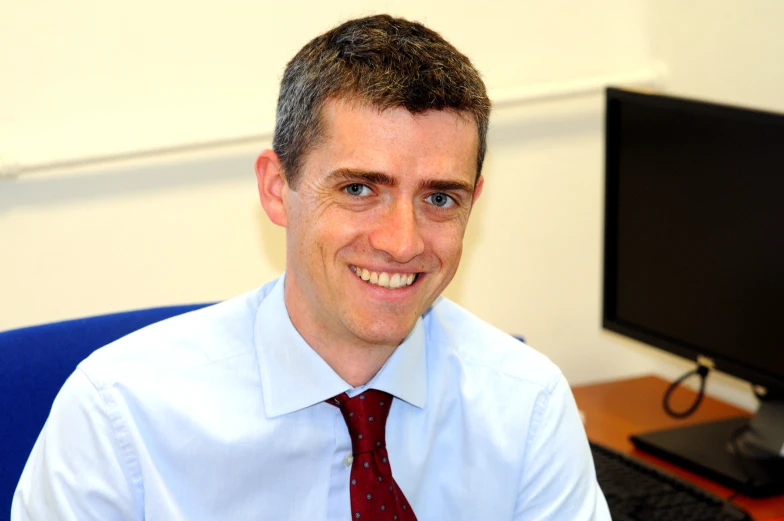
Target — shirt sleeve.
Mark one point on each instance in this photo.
(78, 469)
(559, 477)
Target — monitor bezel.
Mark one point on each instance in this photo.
(614, 98)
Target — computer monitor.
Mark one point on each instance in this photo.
(694, 264)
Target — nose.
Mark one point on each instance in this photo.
(397, 232)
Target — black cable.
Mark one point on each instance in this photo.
(702, 371)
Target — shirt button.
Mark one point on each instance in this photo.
(348, 460)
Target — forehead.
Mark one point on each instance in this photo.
(394, 141)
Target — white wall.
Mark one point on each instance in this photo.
(94, 77)
(187, 227)
(725, 51)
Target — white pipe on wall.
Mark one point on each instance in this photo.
(652, 77)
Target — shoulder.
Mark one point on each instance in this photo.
(191, 340)
(482, 349)
(500, 394)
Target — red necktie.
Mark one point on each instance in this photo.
(374, 493)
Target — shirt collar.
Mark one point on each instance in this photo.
(294, 376)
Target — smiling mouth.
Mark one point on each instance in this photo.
(384, 279)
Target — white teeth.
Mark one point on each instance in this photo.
(394, 281)
(384, 279)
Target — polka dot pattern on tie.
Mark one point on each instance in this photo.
(374, 493)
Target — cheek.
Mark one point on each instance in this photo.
(329, 236)
(447, 245)
(308, 223)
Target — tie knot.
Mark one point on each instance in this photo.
(366, 418)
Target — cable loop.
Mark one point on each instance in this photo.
(702, 371)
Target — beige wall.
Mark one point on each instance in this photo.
(187, 227)
(92, 78)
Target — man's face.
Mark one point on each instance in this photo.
(376, 223)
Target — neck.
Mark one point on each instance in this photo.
(356, 361)
(357, 366)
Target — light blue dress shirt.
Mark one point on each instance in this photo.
(219, 414)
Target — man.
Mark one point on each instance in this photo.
(273, 405)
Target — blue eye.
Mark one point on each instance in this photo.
(357, 190)
(440, 200)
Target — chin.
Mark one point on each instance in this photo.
(380, 333)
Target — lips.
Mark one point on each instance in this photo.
(385, 279)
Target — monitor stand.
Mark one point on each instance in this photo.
(706, 449)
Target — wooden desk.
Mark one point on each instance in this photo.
(615, 410)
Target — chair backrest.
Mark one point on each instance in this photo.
(35, 362)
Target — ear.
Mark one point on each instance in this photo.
(480, 183)
(272, 186)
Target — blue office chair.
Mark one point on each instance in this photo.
(35, 362)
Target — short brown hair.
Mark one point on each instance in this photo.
(379, 61)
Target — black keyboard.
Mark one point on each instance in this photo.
(638, 492)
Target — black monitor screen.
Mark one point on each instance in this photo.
(694, 251)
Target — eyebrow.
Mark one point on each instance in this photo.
(447, 185)
(379, 178)
(361, 176)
